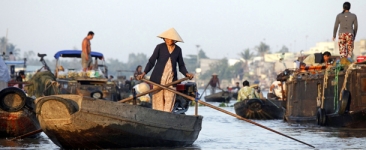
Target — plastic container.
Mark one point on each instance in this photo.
(92, 74)
(361, 58)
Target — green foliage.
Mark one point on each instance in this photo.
(223, 70)
(284, 49)
(9, 47)
(191, 60)
(193, 103)
(223, 104)
(202, 54)
(246, 54)
(262, 48)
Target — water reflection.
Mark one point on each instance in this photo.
(221, 131)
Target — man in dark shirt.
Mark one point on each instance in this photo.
(214, 83)
(237, 86)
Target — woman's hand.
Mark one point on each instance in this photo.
(189, 75)
(141, 76)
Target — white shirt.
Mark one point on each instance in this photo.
(12, 57)
(277, 88)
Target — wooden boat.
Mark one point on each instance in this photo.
(16, 113)
(223, 96)
(333, 97)
(260, 109)
(73, 121)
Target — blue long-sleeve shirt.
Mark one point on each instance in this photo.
(159, 58)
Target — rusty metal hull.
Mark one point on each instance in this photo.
(105, 124)
(14, 124)
(304, 91)
(259, 109)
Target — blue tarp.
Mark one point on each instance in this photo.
(75, 54)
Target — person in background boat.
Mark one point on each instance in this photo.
(324, 60)
(5, 57)
(86, 59)
(247, 92)
(166, 56)
(4, 74)
(138, 71)
(214, 83)
(11, 56)
(347, 30)
(258, 91)
(237, 86)
(110, 79)
(275, 90)
(20, 78)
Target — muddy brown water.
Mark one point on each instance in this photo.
(221, 131)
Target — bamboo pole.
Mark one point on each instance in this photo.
(27, 134)
(225, 111)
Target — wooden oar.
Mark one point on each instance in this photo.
(204, 90)
(153, 90)
(275, 104)
(27, 134)
(225, 111)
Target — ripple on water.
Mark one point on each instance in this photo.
(221, 131)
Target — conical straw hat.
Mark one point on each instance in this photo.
(171, 34)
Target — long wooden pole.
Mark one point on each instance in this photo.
(27, 134)
(153, 90)
(225, 111)
(204, 90)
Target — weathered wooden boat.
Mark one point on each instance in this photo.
(260, 109)
(73, 121)
(223, 96)
(16, 113)
(334, 97)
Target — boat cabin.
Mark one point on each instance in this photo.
(90, 83)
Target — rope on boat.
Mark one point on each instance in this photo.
(318, 102)
(325, 85)
(337, 69)
(344, 87)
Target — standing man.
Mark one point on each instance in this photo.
(86, 59)
(214, 82)
(4, 74)
(11, 56)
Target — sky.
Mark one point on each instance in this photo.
(222, 28)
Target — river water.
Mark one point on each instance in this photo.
(221, 131)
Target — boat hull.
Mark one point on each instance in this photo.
(219, 97)
(260, 109)
(305, 93)
(105, 124)
(14, 124)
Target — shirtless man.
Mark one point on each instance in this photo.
(86, 59)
